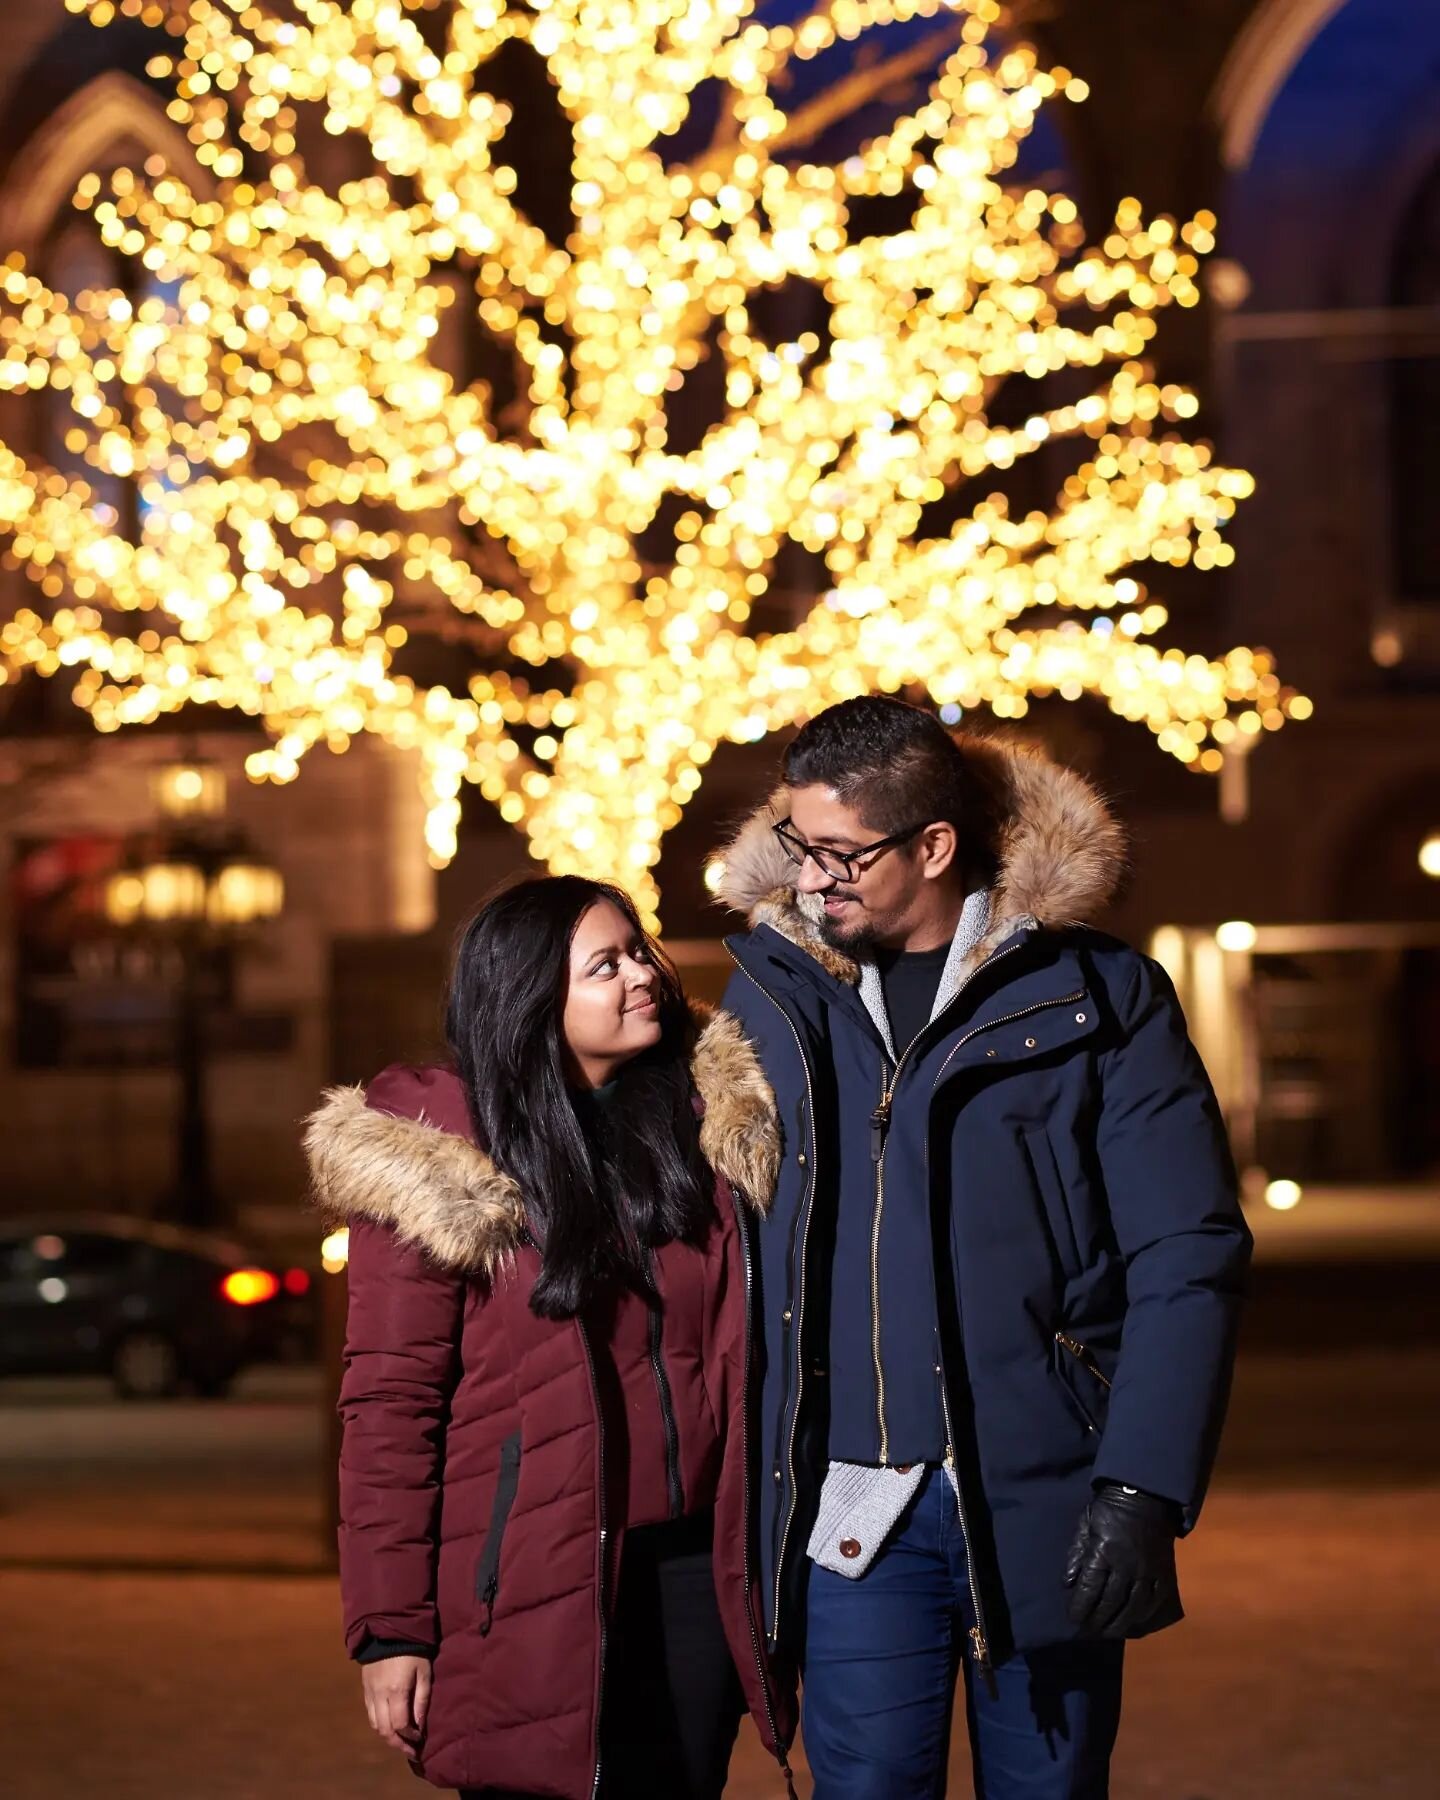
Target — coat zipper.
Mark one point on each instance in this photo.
(978, 1634)
(745, 1255)
(879, 1122)
(674, 1487)
(979, 1639)
(604, 1541)
(879, 1130)
(799, 1319)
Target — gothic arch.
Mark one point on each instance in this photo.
(1271, 42)
(111, 109)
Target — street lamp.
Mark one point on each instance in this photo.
(195, 888)
(189, 790)
(244, 892)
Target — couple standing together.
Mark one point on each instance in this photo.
(878, 1326)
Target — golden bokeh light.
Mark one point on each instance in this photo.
(315, 485)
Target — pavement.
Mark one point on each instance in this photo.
(238, 1486)
(172, 1632)
(1305, 1671)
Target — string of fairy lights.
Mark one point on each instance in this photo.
(306, 464)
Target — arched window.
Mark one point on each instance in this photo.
(1329, 116)
(73, 260)
(113, 122)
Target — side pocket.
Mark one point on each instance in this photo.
(1051, 1189)
(487, 1573)
(1071, 1355)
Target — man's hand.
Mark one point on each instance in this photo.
(1121, 1567)
(397, 1696)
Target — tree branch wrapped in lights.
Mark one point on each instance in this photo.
(316, 484)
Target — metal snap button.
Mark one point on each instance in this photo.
(903, 1468)
(787, 1315)
(1079, 1018)
(849, 1548)
(989, 1052)
(1029, 1043)
(777, 1474)
(801, 1159)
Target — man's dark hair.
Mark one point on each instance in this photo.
(596, 1202)
(897, 766)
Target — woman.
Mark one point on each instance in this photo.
(544, 1396)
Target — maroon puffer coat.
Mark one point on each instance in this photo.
(480, 1513)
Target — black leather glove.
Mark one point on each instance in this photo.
(1121, 1567)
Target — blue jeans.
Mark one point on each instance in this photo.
(880, 1665)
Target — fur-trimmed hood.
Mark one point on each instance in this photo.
(1061, 854)
(438, 1190)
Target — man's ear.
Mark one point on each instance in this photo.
(939, 847)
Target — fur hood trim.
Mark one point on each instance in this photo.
(438, 1190)
(1061, 856)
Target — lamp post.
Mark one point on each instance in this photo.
(195, 887)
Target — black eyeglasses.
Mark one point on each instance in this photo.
(839, 865)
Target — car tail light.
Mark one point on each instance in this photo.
(297, 1281)
(248, 1287)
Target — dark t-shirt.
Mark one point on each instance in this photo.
(911, 980)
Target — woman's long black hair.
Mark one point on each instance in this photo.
(597, 1200)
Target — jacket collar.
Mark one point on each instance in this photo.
(1061, 856)
(438, 1190)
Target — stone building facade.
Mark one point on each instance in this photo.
(1312, 128)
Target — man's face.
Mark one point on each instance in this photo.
(872, 911)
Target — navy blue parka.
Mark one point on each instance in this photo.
(1056, 1188)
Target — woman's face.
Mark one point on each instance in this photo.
(612, 996)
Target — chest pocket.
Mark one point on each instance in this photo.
(1055, 1211)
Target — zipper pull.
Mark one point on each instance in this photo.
(879, 1125)
(492, 1588)
(981, 1651)
(1084, 1355)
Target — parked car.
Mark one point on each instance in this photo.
(157, 1308)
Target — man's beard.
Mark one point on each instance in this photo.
(859, 940)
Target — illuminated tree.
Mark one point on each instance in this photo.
(315, 482)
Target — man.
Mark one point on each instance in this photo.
(1000, 1278)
